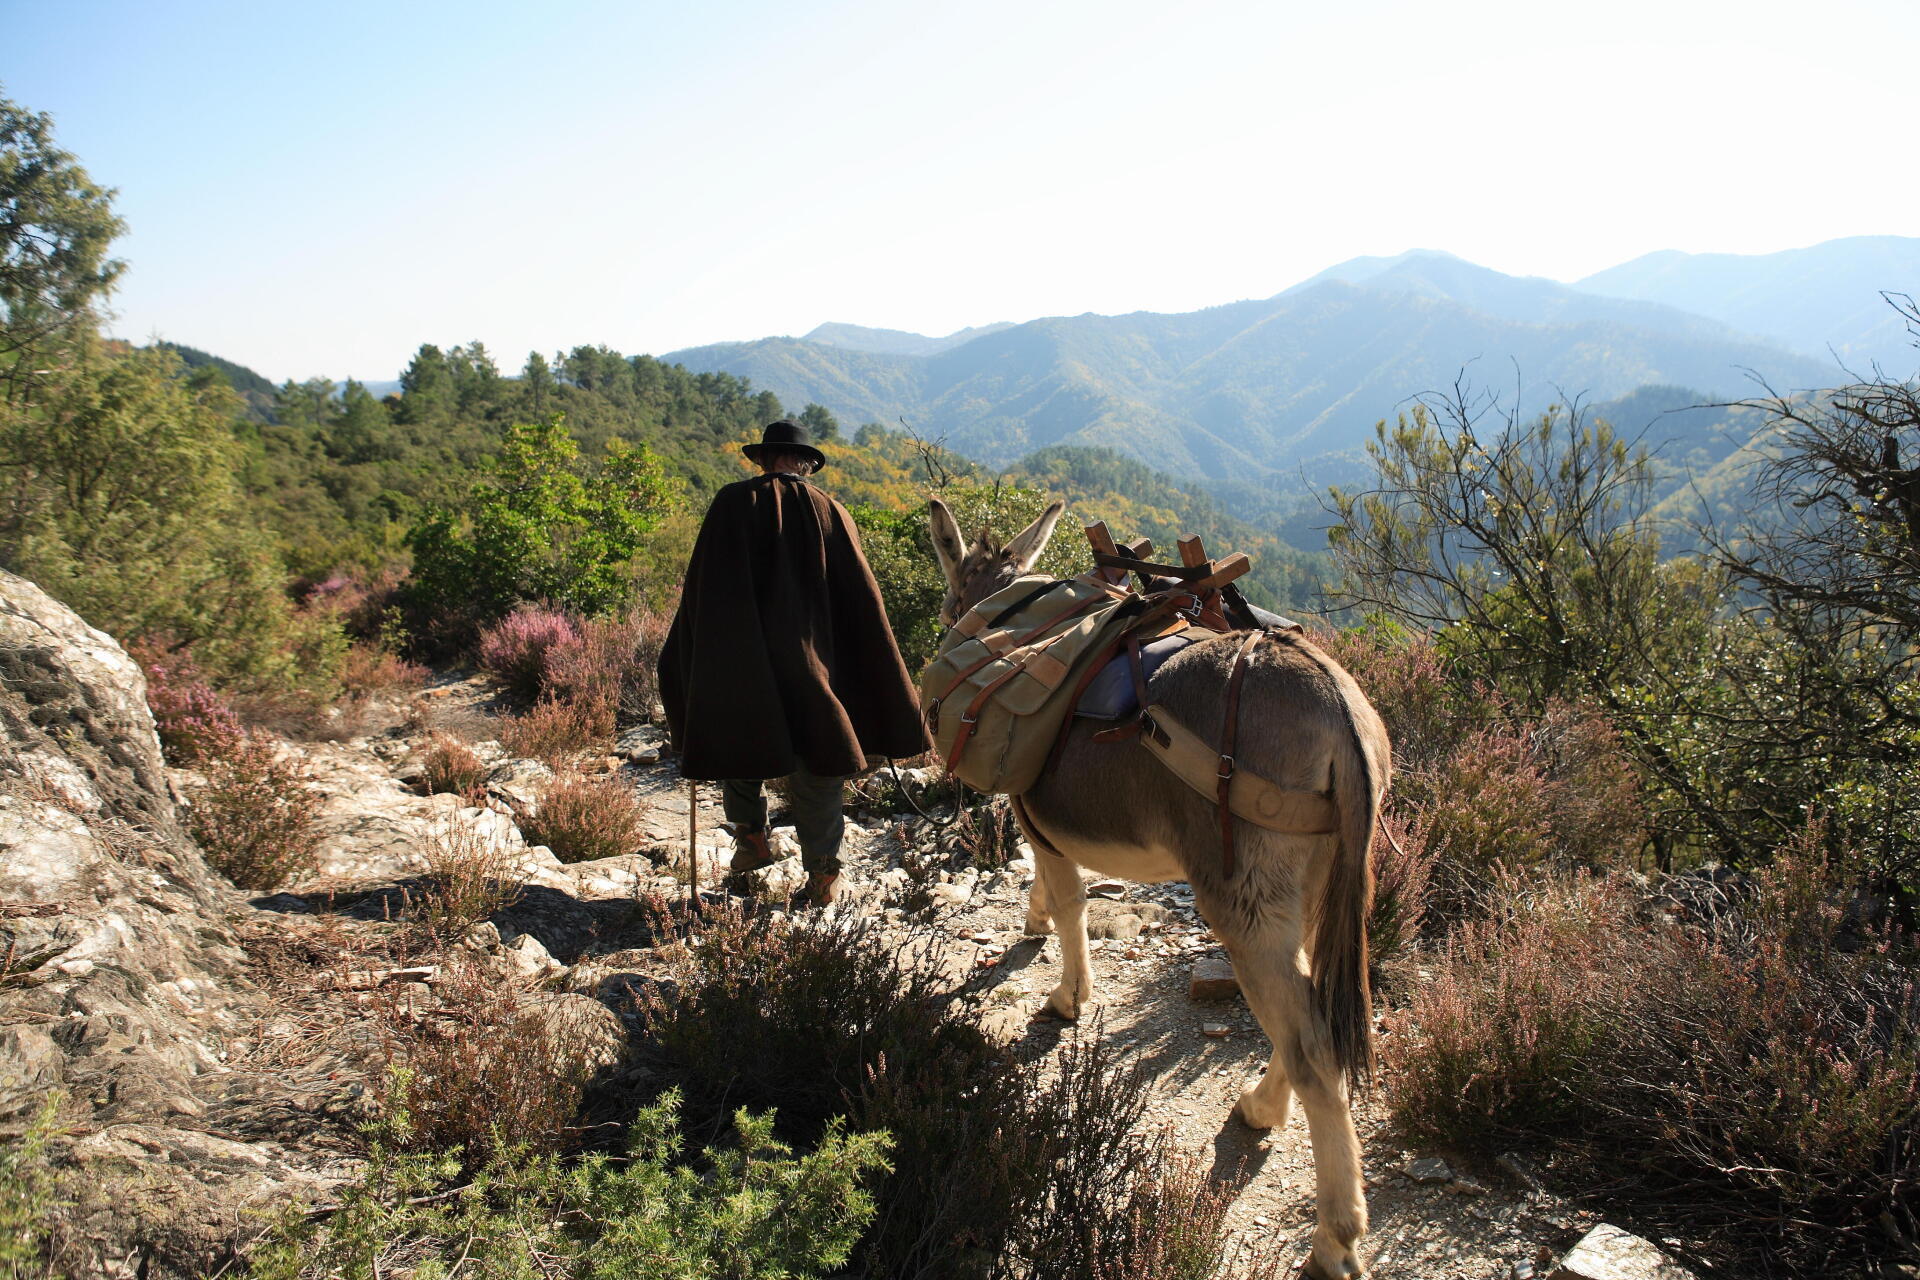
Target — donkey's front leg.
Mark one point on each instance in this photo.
(1066, 898)
(1039, 922)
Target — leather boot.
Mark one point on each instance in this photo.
(752, 850)
(823, 888)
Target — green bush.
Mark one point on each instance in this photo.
(749, 1210)
(537, 526)
(28, 1196)
(124, 503)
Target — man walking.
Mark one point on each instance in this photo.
(780, 662)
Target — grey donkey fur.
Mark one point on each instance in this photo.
(1292, 916)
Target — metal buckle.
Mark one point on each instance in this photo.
(969, 719)
(1227, 767)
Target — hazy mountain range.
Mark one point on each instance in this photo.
(1294, 383)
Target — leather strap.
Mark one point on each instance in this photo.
(1164, 605)
(1229, 733)
(1040, 842)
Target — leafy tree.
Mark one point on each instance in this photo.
(122, 500)
(1528, 547)
(538, 526)
(1827, 690)
(55, 228)
(821, 424)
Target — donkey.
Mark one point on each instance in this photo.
(1293, 914)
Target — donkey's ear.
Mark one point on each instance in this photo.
(946, 541)
(1026, 547)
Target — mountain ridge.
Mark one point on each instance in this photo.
(1265, 385)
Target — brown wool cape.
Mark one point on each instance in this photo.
(780, 656)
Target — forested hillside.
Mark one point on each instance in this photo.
(1289, 387)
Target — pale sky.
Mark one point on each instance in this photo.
(318, 189)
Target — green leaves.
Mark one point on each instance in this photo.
(748, 1211)
(539, 525)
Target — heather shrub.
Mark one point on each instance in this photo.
(514, 650)
(1403, 862)
(254, 814)
(1428, 708)
(452, 768)
(581, 819)
(1751, 1081)
(747, 1209)
(555, 732)
(1001, 1167)
(491, 1067)
(370, 669)
(468, 877)
(604, 672)
(193, 721)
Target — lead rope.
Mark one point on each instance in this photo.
(693, 849)
(901, 783)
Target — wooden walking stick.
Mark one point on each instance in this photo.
(693, 848)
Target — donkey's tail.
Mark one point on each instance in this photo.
(1339, 962)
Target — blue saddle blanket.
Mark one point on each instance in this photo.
(1110, 695)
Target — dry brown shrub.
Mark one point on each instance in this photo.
(582, 819)
(452, 769)
(1427, 708)
(1403, 861)
(556, 733)
(603, 673)
(1002, 1164)
(468, 877)
(1750, 1081)
(489, 1067)
(255, 814)
(372, 670)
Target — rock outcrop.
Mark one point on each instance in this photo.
(123, 980)
(120, 970)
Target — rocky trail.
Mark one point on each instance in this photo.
(217, 1047)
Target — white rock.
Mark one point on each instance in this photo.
(529, 958)
(1608, 1253)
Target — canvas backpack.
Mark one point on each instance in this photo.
(1005, 678)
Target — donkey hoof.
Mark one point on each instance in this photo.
(1258, 1112)
(1331, 1260)
(1037, 926)
(1347, 1268)
(1062, 1005)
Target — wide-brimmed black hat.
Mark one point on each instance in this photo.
(785, 434)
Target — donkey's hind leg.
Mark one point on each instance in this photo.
(1066, 899)
(1276, 986)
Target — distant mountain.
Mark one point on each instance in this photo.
(1251, 391)
(1811, 299)
(896, 342)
